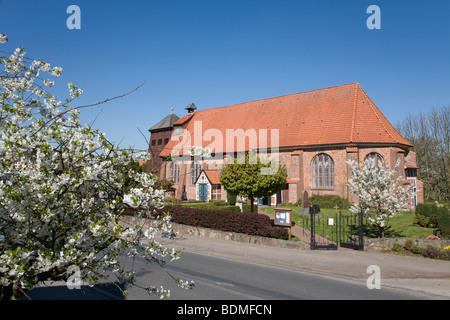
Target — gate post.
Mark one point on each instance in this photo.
(313, 231)
(313, 209)
(361, 230)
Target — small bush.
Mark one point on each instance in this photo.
(434, 253)
(429, 252)
(409, 244)
(231, 198)
(218, 202)
(445, 231)
(248, 208)
(416, 250)
(213, 206)
(422, 220)
(428, 210)
(172, 200)
(443, 220)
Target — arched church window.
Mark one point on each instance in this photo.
(323, 171)
(375, 156)
(175, 172)
(196, 168)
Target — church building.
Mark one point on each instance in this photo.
(312, 134)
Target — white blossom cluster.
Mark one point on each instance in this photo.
(62, 194)
(378, 191)
(199, 151)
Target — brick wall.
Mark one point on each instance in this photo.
(158, 141)
(299, 166)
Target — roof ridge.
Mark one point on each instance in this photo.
(303, 119)
(352, 129)
(277, 97)
(166, 122)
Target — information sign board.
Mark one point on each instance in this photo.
(283, 217)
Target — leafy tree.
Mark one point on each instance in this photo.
(165, 184)
(430, 135)
(249, 178)
(62, 190)
(127, 181)
(378, 191)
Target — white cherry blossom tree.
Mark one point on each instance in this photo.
(378, 191)
(61, 200)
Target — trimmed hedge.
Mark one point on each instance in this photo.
(327, 201)
(248, 208)
(243, 222)
(433, 215)
(212, 206)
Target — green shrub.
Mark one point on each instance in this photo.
(416, 250)
(212, 206)
(172, 200)
(422, 220)
(434, 253)
(397, 247)
(429, 210)
(445, 231)
(329, 201)
(231, 198)
(409, 244)
(443, 220)
(248, 208)
(218, 202)
(433, 215)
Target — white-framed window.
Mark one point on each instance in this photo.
(216, 192)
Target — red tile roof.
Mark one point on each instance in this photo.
(336, 115)
(411, 165)
(213, 176)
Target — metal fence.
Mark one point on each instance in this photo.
(332, 230)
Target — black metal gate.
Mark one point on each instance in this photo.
(351, 230)
(331, 231)
(324, 230)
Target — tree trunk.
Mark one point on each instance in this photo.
(11, 292)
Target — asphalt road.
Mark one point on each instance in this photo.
(226, 279)
(219, 278)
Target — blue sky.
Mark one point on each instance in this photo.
(221, 52)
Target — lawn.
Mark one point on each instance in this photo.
(402, 223)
